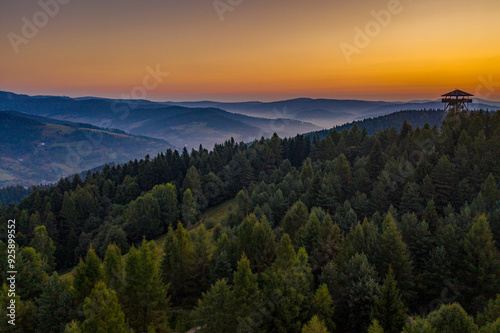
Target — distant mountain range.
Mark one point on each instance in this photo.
(328, 113)
(181, 126)
(37, 150)
(189, 124)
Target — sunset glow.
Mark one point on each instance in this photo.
(262, 50)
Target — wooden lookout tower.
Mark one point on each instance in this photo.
(456, 101)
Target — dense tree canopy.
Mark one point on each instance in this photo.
(347, 232)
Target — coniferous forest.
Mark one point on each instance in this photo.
(396, 231)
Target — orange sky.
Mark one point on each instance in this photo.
(262, 50)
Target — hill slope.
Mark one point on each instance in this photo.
(396, 119)
(36, 150)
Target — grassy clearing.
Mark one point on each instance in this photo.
(215, 213)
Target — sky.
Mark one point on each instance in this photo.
(239, 50)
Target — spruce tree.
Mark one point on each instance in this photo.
(44, 245)
(31, 273)
(215, 311)
(166, 195)
(55, 305)
(247, 295)
(315, 325)
(146, 301)
(86, 275)
(375, 160)
(221, 263)
(396, 255)
(296, 218)
(189, 209)
(359, 287)
(202, 252)
(102, 312)
(177, 264)
(490, 192)
(389, 310)
(481, 261)
(411, 202)
(263, 249)
(322, 306)
(113, 269)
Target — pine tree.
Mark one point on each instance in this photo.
(166, 195)
(113, 269)
(411, 202)
(375, 160)
(192, 182)
(177, 264)
(189, 209)
(44, 245)
(388, 309)
(330, 243)
(247, 295)
(215, 309)
(143, 219)
(290, 280)
(278, 204)
(431, 216)
(221, 264)
(102, 312)
(444, 179)
(327, 195)
(481, 261)
(341, 168)
(55, 305)
(243, 204)
(296, 218)
(263, 249)
(146, 301)
(322, 306)
(86, 275)
(31, 273)
(396, 255)
(202, 252)
(315, 325)
(375, 327)
(490, 192)
(364, 238)
(359, 287)
(307, 171)
(244, 236)
(311, 235)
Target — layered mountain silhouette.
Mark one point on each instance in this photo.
(37, 150)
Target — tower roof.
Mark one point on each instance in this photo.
(457, 93)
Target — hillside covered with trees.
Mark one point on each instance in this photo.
(398, 231)
(38, 150)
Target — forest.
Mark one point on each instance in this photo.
(395, 231)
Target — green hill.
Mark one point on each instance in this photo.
(38, 150)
